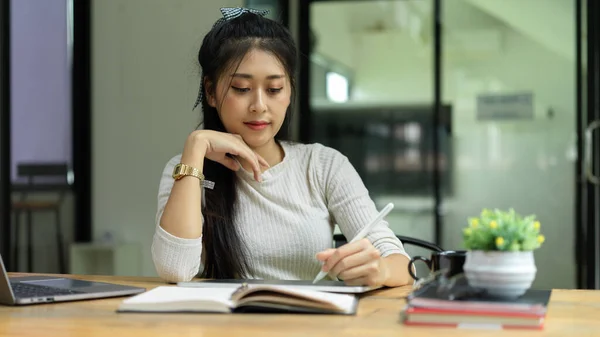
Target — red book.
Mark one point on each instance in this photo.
(472, 319)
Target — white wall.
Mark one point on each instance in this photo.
(144, 84)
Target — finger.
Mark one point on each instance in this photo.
(346, 250)
(233, 151)
(324, 255)
(250, 157)
(230, 163)
(355, 260)
(356, 282)
(262, 161)
(362, 281)
(363, 274)
(256, 169)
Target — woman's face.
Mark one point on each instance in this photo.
(252, 100)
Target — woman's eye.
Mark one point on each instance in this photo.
(240, 89)
(275, 90)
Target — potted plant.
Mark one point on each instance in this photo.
(500, 247)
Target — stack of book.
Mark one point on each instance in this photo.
(427, 306)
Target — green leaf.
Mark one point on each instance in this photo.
(518, 232)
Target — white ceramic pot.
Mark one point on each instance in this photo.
(502, 274)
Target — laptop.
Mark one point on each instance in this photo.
(324, 285)
(47, 289)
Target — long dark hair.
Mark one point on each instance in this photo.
(223, 48)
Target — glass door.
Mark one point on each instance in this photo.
(449, 107)
(369, 95)
(513, 72)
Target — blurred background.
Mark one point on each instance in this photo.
(444, 107)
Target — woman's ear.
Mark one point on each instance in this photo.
(209, 92)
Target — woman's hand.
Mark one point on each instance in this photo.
(356, 263)
(216, 145)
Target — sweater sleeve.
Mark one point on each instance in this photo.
(349, 203)
(175, 259)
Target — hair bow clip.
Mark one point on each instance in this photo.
(234, 12)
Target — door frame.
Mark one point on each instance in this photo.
(81, 117)
(587, 193)
(5, 174)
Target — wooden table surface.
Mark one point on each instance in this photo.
(570, 313)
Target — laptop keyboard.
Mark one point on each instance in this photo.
(25, 290)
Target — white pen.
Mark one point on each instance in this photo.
(362, 234)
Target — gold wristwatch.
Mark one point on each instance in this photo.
(182, 170)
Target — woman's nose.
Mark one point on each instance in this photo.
(258, 103)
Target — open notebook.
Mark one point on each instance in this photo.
(247, 298)
(323, 285)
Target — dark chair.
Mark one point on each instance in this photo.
(39, 177)
(340, 239)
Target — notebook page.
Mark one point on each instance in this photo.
(343, 302)
(173, 294)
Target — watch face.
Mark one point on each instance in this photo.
(177, 171)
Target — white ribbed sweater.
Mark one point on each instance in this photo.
(284, 220)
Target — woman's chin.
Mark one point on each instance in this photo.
(256, 141)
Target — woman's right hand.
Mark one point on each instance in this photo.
(215, 146)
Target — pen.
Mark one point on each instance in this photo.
(362, 234)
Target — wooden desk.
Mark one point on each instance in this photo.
(571, 312)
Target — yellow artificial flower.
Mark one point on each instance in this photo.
(474, 223)
(541, 239)
(499, 241)
(536, 225)
(493, 224)
(468, 231)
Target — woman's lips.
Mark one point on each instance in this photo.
(257, 125)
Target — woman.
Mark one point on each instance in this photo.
(271, 205)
